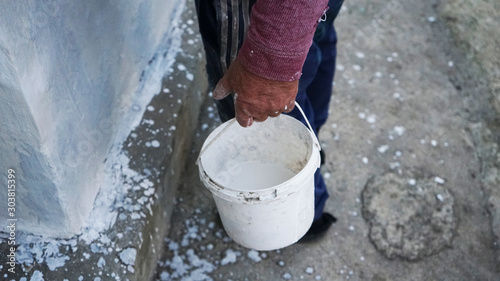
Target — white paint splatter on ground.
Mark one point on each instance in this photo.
(189, 258)
(230, 257)
(360, 55)
(128, 255)
(254, 255)
(439, 180)
(371, 119)
(399, 130)
(383, 148)
(37, 276)
(365, 160)
(101, 263)
(185, 265)
(155, 143)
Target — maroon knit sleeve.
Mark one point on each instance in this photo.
(279, 36)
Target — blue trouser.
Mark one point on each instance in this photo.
(315, 84)
(315, 90)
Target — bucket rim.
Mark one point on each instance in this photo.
(260, 195)
(268, 193)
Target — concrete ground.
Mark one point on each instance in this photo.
(403, 169)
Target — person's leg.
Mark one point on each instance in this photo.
(315, 90)
(319, 92)
(309, 70)
(309, 73)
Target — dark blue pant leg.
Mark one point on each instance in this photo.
(315, 89)
(309, 71)
(319, 92)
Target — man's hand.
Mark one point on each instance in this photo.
(255, 98)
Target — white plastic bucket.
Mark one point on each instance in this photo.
(262, 180)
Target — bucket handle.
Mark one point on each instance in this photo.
(315, 139)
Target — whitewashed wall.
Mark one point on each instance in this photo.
(72, 82)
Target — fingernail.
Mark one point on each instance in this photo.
(219, 92)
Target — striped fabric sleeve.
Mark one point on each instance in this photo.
(279, 37)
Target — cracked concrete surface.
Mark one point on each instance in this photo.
(408, 218)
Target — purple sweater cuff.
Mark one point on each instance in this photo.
(279, 37)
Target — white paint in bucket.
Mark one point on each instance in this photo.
(262, 180)
(255, 175)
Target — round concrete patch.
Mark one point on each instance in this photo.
(411, 220)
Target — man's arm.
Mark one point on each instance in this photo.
(264, 76)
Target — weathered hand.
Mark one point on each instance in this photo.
(255, 98)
